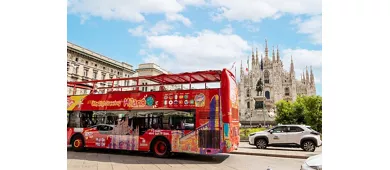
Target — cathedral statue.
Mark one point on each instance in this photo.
(259, 87)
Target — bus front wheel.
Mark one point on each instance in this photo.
(161, 148)
(78, 143)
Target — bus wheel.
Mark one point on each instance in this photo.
(161, 148)
(78, 143)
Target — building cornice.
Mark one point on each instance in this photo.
(101, 58)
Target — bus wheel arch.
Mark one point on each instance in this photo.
(160, 146)
(77, 141)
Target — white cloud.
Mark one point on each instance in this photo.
(178, 17)
(251, 27)
(303, 58)
(227, 30)
(131, 10)
(256, 10)
(192, 2)
(206, 50)
(159, 28)
(312, 27)
(138, 31)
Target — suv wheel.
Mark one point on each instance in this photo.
(261, 143)
(308, 146)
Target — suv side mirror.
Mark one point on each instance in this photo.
(271, 131)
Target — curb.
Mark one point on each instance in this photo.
(270, 155)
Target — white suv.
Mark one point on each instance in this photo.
(287, 136)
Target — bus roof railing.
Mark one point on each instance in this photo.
(209, 76)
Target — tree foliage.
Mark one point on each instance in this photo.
(305, 110)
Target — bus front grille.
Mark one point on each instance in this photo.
(209, 139)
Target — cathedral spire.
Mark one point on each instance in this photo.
(253, 58)
(307, 76)
(311, 76)
(266, 49)
(277, 53)
(257, 57)
(292, 71)
(303, 77)
(273, 54)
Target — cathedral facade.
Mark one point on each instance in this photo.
(258, 104)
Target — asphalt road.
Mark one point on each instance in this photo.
(124, 160)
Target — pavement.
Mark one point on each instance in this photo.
(94, 159)
(246, 149)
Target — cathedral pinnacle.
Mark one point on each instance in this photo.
(266, 48)
(307, 76)
(253, 57)
(273, 53)
(277, 53)
(292, 72)
(311, 75)
(257, 57)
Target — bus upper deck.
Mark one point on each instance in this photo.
(162, 82)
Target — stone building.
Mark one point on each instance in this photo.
(151, 69)
(278, 85)
(84, 65)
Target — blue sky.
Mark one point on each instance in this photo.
(189, 35)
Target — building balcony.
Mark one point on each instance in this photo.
(74, 75)
(85, 78)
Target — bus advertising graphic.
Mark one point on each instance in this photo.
(200, 121)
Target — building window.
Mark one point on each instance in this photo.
(247, 93)
(86, 72)
(95, 65)
(77, 59)
(286, 91)
(248, 105)
(103, 76)
(104, 68)
(67, 66)
(111, 70)
(266, 77)
(86, 62)
(76, 70)
(95, 75)
(118, 72)
(267, 94)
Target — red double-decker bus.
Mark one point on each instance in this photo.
(161, 116)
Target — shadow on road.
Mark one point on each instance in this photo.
(276, 149)
(133, 157)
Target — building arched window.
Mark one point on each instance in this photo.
(266, 77)
(247, 93)
(286, 91)
(267, 94)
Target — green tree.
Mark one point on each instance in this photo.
(285, 113)
(313, 112)
(305, 110)
(299, 111)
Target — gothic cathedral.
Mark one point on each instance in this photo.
(278, 84)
